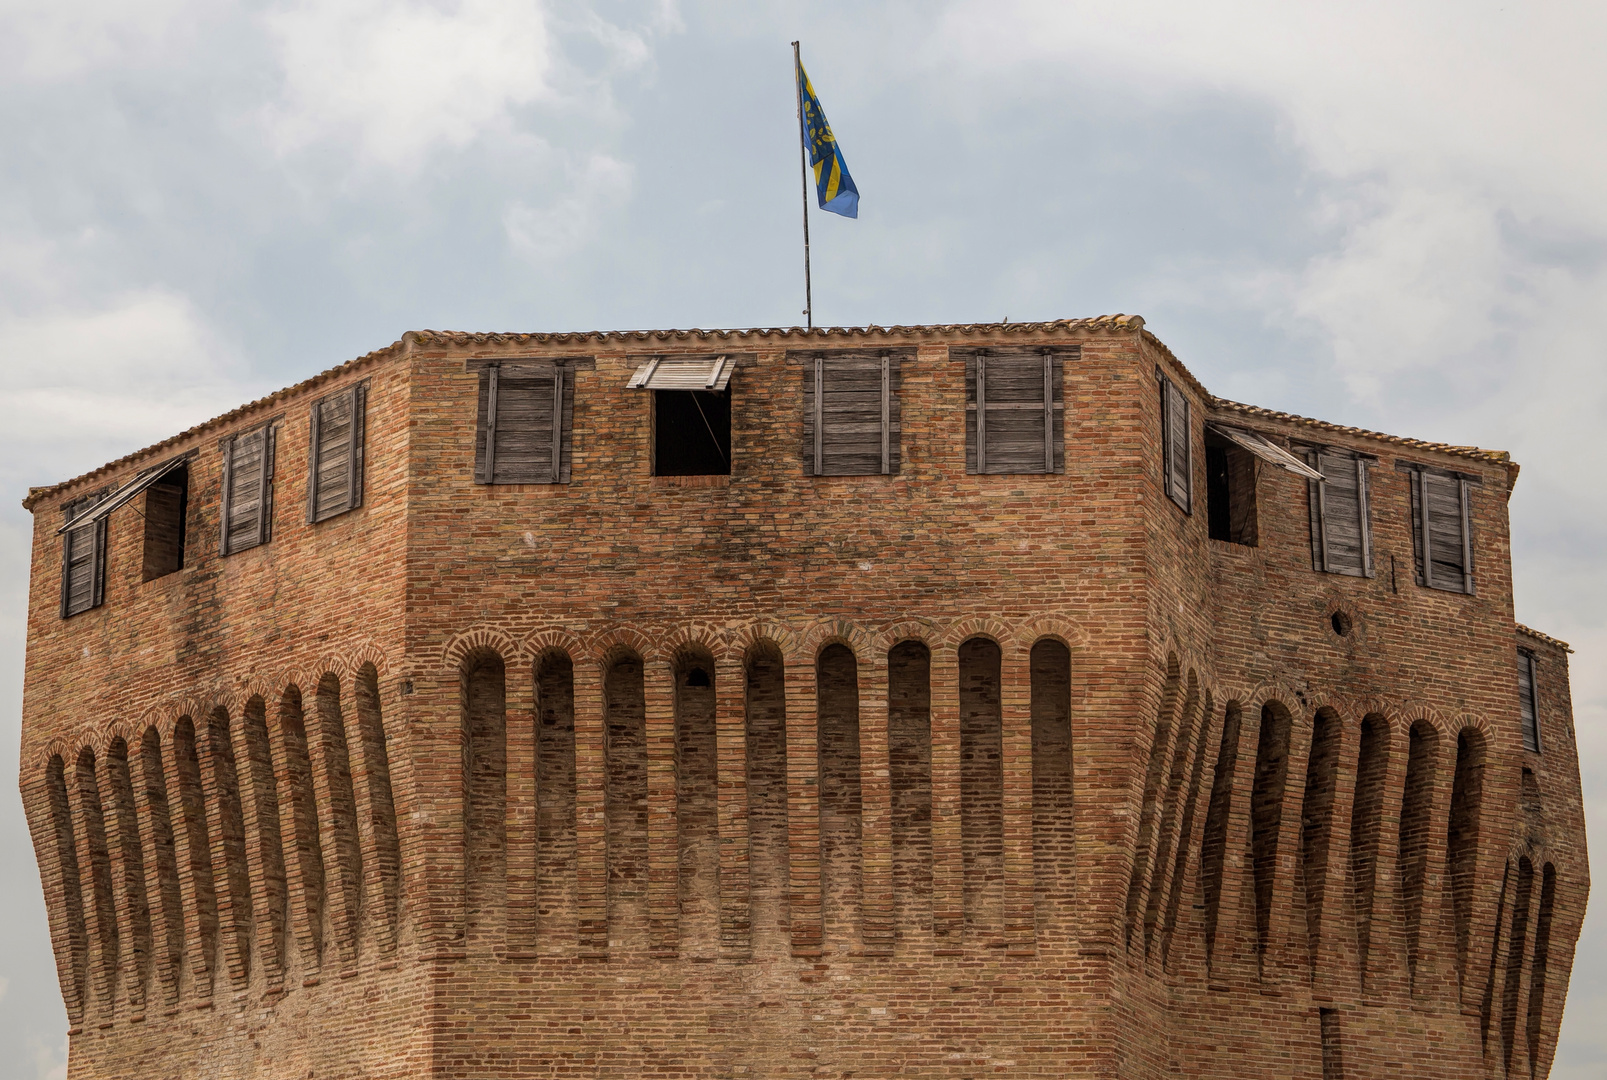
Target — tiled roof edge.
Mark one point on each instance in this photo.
(37, 493)
(1547, 638)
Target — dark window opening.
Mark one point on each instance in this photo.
(1340, 622)
(167, 503)
(1230, 491)
(698, 677)
(691, 433)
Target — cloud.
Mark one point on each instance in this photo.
(563, 225)
(57, 41)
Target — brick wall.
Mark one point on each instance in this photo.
(773, 774)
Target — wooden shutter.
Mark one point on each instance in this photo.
(1177, 445)
(1014, 411)
(1341, 521)
(1441, 537)
(248, 489)
(524, 418)
(335, 454)
(1528, 701)
(83, 562)
(851, 414)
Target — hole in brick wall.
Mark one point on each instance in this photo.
(1340, 622)
(698, 677)
(167, 503)
(691, 433)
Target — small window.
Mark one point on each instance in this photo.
(248, 489)
(851, 414)
(1230, 490)
(691, 433)
(1177, 448)
(83, 560)
(1014, 411)
(1341, 523)
(335, 454)
(1528, 700)
(167, 506)
(523, 431)
(1442, 541)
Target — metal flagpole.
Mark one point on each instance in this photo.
(803, 177)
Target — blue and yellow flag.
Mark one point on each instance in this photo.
(836, 188)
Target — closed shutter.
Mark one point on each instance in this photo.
(248, 490)
(524, 417)
(1528, 701)
(335, 455)
(1177, 444)
(851, 414)
(1341, 521)
(1014, 411)
(83, 562)
(1442, 538)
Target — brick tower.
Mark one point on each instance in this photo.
(943, 701)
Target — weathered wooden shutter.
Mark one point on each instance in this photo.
(1177, 442)
(1528, 701)
(248, 489)
(1014, 411)
(1442, 540)
(524, 419)
(1341, 521)
(335, 454)
(851, 414)
(83, 562)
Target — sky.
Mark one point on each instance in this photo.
(1382, 214)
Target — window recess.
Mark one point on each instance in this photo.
(1015, 410)
(1442, 536)
(851, 413)
(1529, 700)
(526, 410)
(247, 513)
(691, 413)
(1231, 457)
(1341, 521)
(335, 454)
(1177, 448)
(83, 556)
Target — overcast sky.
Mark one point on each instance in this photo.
(1381, 214)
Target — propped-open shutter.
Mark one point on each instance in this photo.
(851, 414)
(1528, 701)
(1177, 446)
(1341, 524)
(1015, 411)
(83, 563)
(248, 490)
(335, 457)
(523, 425)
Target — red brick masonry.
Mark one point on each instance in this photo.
(924, 774)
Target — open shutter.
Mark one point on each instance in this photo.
(523, 424)
(1015, 411)
(1528, 701)
(1341, 524)
(851, 414)
(335, 455)
(248, 490)
(83, 562)
(1442, 540)
(1177, 466)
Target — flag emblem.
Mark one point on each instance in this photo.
(833, 185)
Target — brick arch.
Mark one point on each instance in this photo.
(366, 651)
(744, 641)
(695, 637)
(982, 626)
(603, 647)
(541, 643)
(474, 640)
(1054, 627)
(837, 632)
(920, 630)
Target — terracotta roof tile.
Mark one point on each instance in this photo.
(1547, 638)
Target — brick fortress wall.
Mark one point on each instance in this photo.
(773, 774)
